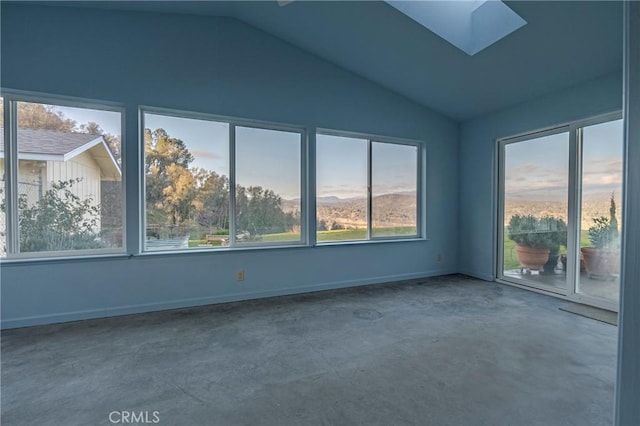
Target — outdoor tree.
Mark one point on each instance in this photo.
(170, 185)
(60, 220)
(39, 116)
(212, 199)
(109, 208)
(178, 194)
(113, 142)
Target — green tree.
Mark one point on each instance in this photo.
(60, 220)
(211, 204)
(170, 185)
(40, 116)
(113, 142)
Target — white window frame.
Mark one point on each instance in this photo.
(10, 100)
(233, 122)
(574, 206)
(421, 162)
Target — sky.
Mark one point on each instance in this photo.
(110, 121)
(272, 159)
(341, 167)
(266, 158)
(539, 168)
(536, 168)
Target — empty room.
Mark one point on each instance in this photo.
(320, 212)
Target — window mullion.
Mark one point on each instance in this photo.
(232, 185)
(574, 209)
(11, 173)
(369, 190)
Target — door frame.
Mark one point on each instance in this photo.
(574, 200)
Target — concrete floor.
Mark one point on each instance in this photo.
(440, 351)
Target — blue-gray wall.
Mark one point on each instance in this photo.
(219, 66)
(478, 160)
(628, 383)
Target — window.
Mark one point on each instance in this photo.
(559, 218)
(191, 164)
(267, 186)
(366, 189)
(394, 189)
(62, 187)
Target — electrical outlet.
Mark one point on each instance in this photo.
(240, 276)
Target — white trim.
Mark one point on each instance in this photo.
(368, 136)
(369, 190)
(61, 100)
(574, 210)
(11, 171)
(598, 303)
(209, 300)
(574, 130)
(311, 186)
(421, 161)
(233, 186)
(60, 254)
(233, 124)
(11, 98)
(37, 157)
(82, 148)
(237, 121)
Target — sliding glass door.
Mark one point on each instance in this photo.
(559, 214)
(535, 199)
(600, 219)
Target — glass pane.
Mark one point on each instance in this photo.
(394, 190)
(341, 185)
(70, 194)
(186, 183)
(600, 226)
(267, 186)
(535, 211)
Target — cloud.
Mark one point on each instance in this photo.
(199, 154)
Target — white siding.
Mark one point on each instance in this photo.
(82, 166)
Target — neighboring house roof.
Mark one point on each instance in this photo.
(51, 145)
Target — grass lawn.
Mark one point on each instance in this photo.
(511, 259)
(361, 233)
(342, 235)
(326, 236)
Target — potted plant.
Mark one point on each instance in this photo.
(556, 230)
(602, 259)
(532, 242)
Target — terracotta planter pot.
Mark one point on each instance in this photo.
(532, 257)
(600, 262)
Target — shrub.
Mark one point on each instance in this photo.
(603, 234)
(530, 231)
(556, 230)
(60, 220)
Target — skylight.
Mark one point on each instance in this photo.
(470, 25)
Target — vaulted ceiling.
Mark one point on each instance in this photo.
(564, 43)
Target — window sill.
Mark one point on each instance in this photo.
(365, 242)
(63, 258)
(196, 251)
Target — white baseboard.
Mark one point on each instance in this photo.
(202, 301)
